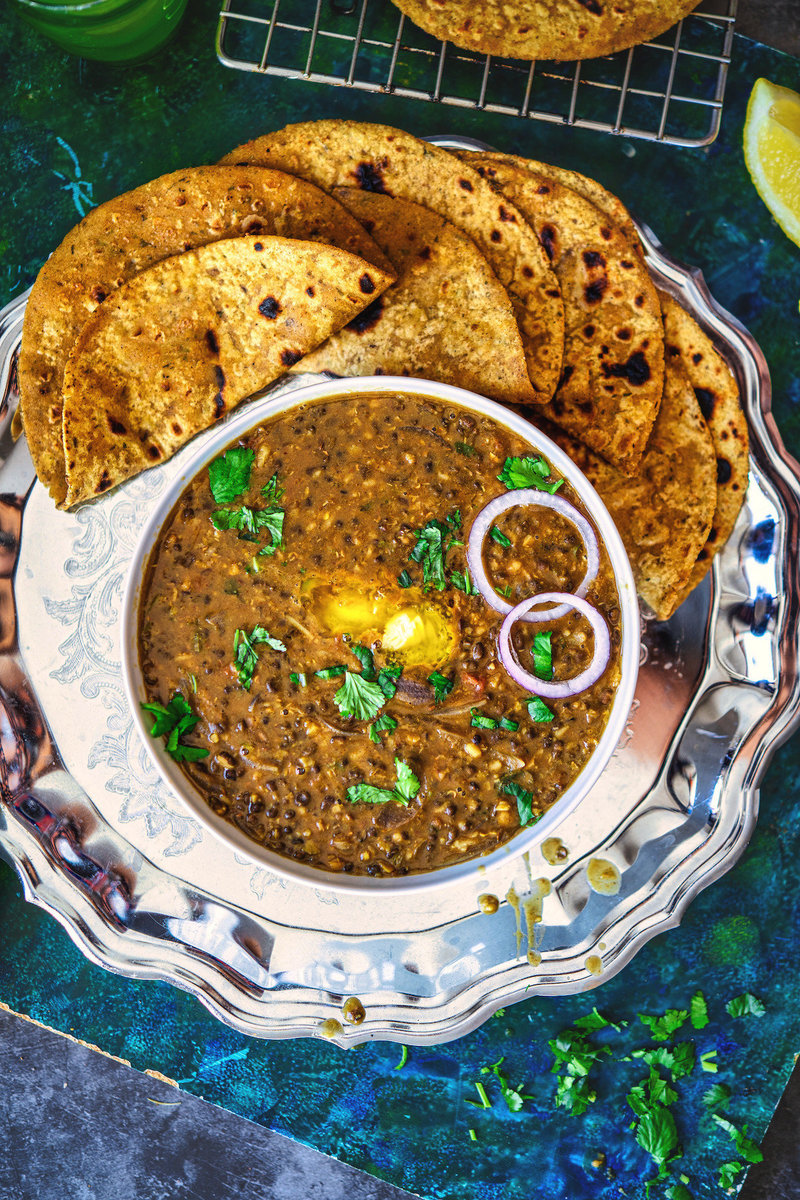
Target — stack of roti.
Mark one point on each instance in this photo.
(359, 249)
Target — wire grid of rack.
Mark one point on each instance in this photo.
(668, 90)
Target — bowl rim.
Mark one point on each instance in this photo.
(243, 421)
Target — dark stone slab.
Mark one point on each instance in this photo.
(78, 1125)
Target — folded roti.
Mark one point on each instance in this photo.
(378, 158)
(447, 317)
(613, 371)
(179, 345)
(130, 233)
(559, 30)
(664, 512)
(718, 396)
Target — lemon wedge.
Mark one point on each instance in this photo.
(772, 152)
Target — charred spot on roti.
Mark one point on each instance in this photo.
(593, 258)
(367, 319)
(505, 215)
(211, 341)
(369, 176)
(366, 284)
(706, 399)
(624, 335)
(466, 185)
(258, 246)
(425, 253)
(548, 236)
(290, 357)
(496, 235)
(310, 291)
(594, 291)
(724, 471)
(116, 426)
(697, 359)
(636, 369)
(98, 295)
(589, 330)
(154, 453)
(269, 308)
(103, 483)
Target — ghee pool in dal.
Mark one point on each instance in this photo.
(255, 625)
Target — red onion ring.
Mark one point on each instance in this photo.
(564, 687)
(500, 504)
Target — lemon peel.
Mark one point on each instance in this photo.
(772, 152)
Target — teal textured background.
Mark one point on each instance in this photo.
(75, 134)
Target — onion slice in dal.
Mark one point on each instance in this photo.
(562, 688)
(515, 499)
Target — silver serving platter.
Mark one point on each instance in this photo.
(143, 890)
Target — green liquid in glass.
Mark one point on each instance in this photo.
(108, 30)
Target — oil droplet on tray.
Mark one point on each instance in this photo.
(353, 1010)
(604, 878)
(554, 851)
(594, 964)
(330, 1028)
(488, 904)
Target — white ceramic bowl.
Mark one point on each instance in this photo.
(241, 423)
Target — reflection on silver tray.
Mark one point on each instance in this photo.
(144, 891)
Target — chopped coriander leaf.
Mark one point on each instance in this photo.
(504, 589)
(387, 679)
(442, 686)
(383, 724)
(678, 1191)
(528, 472)
(473, 1137)
(524, 800)
(542, 652)
(407, 784)
(707, 1062)
(698, 1010)
(745, 1146)
(746, 1005)
(405, 789)
(245, 655)
(538, 710)
(433, 542)
(229, 475)
(403, 1058)
(481, 1090)
(298, 677)
(359, 697)
(514, 1097)
(507, 723)
(595, 1020)
(465, 449)
(661, 1028)
(480, 721)
(271, 491)
(172, 721)
(498, 536)
(330, 672)
(364, 656)
(717, 1096)
(462, 581)
(728, 1172)
(365, 793)
(679, 1061)
(405, 580)
(656, 1133)
(574, 1057)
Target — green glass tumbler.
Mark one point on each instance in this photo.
(107, 30)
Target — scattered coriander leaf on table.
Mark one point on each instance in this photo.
(403, 1058)
(717, 1096)
(728, 1172)
(661, 1028)
(746, 1005)
(698, 1010)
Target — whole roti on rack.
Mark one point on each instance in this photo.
(664, 512)
(718, 397)
(560, 30)
(447, 317)
(180, 344)
(130, 233)
(379, 158)
(613, 371)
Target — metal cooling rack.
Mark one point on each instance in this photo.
(668, 90)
